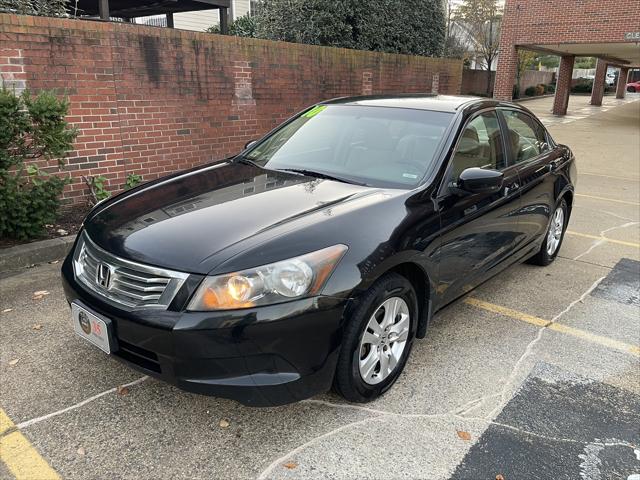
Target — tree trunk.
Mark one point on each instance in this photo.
(489, 58)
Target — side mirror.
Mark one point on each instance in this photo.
(479, 180)
(250, 143)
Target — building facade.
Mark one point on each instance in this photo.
(200, 21)
(606, 29)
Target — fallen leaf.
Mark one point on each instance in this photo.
(37, 297)
(62, 232)
(122, 390)
(14, 361)
(7, 310)
(53, 262)
(37, 326)
(464, 435)
(81, 451)
(499, 477)
(224, 423)
(290, 465)
(41, 293)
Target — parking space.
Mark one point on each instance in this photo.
(534, 375)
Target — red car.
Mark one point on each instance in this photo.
(633, 86)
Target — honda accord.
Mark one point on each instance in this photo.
(318, 255)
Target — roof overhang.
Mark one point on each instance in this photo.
(616, 53)
(143, 8)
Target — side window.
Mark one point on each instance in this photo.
(526, 136)
(480, 145)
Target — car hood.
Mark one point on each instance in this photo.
(183, 221)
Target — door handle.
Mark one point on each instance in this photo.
(511, 188)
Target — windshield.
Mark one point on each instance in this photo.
(377, 146)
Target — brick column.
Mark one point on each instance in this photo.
(435, 83)
(367, 82)
(621, 87)
(505, 72)
(12, 73)
(597, 92)
(563, 85)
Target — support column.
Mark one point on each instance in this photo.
(103, 7)
(224, 20)
(621, 87)
(597, 92)
(505, 73)
(563, 85)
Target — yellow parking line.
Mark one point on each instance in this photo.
(557, 327)
(20, 457)
(507, 312)
(609, 240)
(615, 200)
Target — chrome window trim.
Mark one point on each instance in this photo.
(175, 279)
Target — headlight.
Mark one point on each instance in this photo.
(277, 282)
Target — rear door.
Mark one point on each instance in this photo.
(478, 231)
(529, 150)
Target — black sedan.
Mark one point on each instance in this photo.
(320, 253)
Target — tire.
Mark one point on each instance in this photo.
(551, 246)
(389, 299)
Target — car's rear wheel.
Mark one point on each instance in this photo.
(377, 340)
(554, 236)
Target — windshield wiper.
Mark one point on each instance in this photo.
(246, 161)
(326, 176)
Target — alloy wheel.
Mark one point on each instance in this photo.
(555, 231)
(384, 340)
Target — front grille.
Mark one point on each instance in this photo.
(123, 283)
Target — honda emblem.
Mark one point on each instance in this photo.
(103, 275)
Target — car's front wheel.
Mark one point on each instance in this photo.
(377, 340)
(554, 236)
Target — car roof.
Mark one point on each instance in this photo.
(420, 101)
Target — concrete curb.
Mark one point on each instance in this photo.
(42, 251)
(526, 99)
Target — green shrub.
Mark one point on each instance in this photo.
(540, 88)
(32, 129)
(584, 85)
(551, 88)
(244, 26)
(133, 180)
(414, 27)
(530, 91)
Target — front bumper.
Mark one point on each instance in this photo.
(262, 356)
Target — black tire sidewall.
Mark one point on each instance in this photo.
(350, 383)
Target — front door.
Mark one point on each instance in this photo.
(478, 231)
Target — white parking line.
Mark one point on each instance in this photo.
(28, 423)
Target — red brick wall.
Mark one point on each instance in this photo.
(151, 101)
(549, 22)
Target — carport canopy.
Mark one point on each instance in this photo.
(142, 8)
(616, 53)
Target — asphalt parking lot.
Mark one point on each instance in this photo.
(534, 375)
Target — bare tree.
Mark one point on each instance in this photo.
(49, 8)
(482, 20)
(525, 59)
